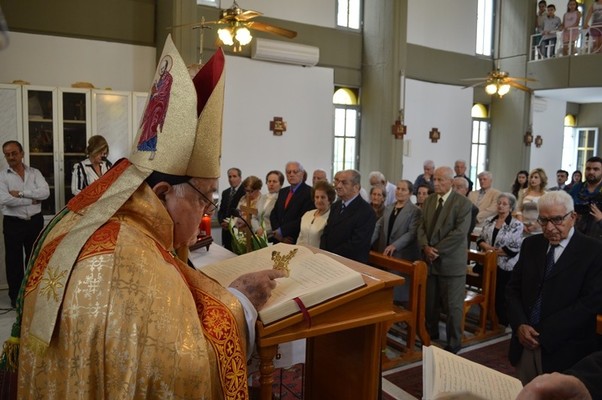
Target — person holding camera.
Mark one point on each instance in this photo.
(588, 199)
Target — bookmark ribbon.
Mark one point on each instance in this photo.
(304, 311)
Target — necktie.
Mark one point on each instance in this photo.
(230, 197)
(437, 212)
(535, 316)
(342, 208)
(288, 198)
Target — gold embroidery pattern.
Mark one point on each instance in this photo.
(41, 263)
(103, 241)
(220, 329)
(51, 284)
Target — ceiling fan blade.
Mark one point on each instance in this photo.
(247, 15)
(475, 85)
(519, 86)
(513, 78)
(475, 79)
(260, 26)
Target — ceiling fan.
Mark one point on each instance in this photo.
(499, 82)
(235, 25)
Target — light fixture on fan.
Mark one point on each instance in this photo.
(497, 87)
(235, 36)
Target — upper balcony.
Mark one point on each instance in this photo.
(569, 42)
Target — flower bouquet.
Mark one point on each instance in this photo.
(239, 238)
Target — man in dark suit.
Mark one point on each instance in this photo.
(229, 202)
(442, 236)
(293, 201)
(555, 293)
(351, 222)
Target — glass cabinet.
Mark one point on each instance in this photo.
(56, 130)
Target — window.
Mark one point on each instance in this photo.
(579, 145)
(484, 27)
(478, 149)
(211, 3)
(346, 129)
(348, 13)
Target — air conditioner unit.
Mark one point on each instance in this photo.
(283, 52)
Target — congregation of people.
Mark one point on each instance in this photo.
(438, 216)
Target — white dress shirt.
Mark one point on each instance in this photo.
(33, 187)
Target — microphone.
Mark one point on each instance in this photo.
(236, 213)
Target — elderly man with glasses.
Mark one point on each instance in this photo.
(555, 293)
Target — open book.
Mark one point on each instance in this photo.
(448, 376)
(313, 278)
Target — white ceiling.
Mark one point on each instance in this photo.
(573, 95)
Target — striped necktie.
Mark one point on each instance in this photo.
(535, 315)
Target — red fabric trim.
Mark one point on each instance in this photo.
(206, 79)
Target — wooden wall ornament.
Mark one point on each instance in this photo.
(278, 125)
(538, 141)
(434, 135)
(398, 129)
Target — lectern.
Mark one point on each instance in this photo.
(343, 339)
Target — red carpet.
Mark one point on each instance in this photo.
(494, 356)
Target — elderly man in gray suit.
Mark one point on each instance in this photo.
(442, 236)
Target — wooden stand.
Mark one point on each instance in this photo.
(343, 353)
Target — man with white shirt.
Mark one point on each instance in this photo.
(22, 189)
(485, 198)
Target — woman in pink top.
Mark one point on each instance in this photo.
(570, 28)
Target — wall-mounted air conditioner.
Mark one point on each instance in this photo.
(284, 52)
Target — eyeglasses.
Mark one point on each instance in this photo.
(554, 220)
(211, 206)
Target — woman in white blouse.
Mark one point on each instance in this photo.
(261, 222)
(92, 168)
(314, 221)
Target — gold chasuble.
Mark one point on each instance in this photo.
(135, 322)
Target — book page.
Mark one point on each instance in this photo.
(452, 374)
(313, 278)
(228, 270)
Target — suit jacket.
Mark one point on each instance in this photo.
(288, 219)
(589, 371)
(572, 296)
(224, 211)
(349, 233)
(487, 206)
(403, 233)
(449, 235)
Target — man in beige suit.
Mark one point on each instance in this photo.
(485, 198)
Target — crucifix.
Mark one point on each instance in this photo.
(278, 125)
(248, 212)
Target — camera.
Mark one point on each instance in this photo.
(584, 208)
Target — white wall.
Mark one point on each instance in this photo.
(445, 107)
(548, 121)
(443, 24)
(60, 61)
(257, 91)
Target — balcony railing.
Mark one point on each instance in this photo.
(570, 42)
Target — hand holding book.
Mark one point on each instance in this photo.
(257, 286)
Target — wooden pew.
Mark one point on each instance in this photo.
(413, 315)
(481, 291)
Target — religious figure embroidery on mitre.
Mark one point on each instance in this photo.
(156, 109)
(281, 262)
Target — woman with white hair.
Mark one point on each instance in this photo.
(502, 234)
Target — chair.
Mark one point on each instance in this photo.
(413, 315)
(480, 291)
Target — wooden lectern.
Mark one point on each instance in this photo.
(343, 342)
